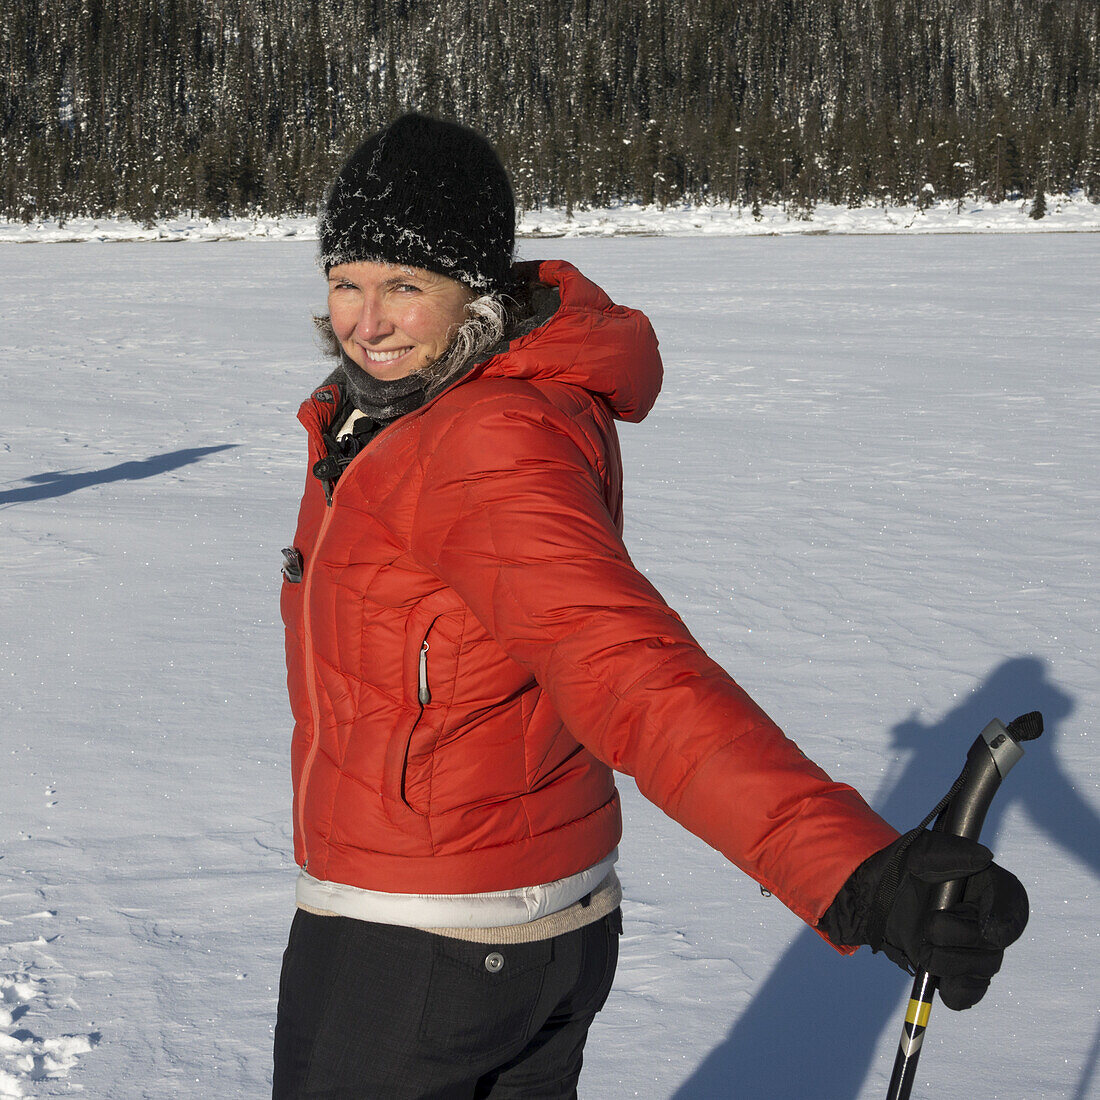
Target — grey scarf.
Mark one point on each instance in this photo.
(381, 400)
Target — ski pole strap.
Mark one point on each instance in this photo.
(1027, 726)
(891, 878)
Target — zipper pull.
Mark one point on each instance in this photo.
(423, 694)
(293, 567)
(327, 470)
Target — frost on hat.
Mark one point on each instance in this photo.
(424, 193)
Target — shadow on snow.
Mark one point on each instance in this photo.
(812, 1027)
(60, 483)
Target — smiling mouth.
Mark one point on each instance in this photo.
(384, 356)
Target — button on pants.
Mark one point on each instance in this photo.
(373, 1010)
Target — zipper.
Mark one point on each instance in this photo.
(311, 688)
(325, 472)
(423, 693)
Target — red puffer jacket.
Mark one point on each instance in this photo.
(471, 651)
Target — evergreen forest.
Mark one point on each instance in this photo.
(150, 108)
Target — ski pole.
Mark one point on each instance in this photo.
(962, 812)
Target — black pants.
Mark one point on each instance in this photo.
(374, 1010)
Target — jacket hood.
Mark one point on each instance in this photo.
(588, 341)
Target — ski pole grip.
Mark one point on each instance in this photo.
(995, 752)
(993, 755)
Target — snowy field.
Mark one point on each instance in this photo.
(871, 487)
(1065, 214)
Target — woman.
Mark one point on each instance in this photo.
(471, 652)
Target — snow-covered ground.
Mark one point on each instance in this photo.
(871, 487)
(1065, 214)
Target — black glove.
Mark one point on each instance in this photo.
(886, 903)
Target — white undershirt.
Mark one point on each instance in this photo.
(494, 909)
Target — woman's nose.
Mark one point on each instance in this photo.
(373, 322)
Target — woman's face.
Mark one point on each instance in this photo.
(394, 320)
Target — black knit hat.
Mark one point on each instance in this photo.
(425, 193)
